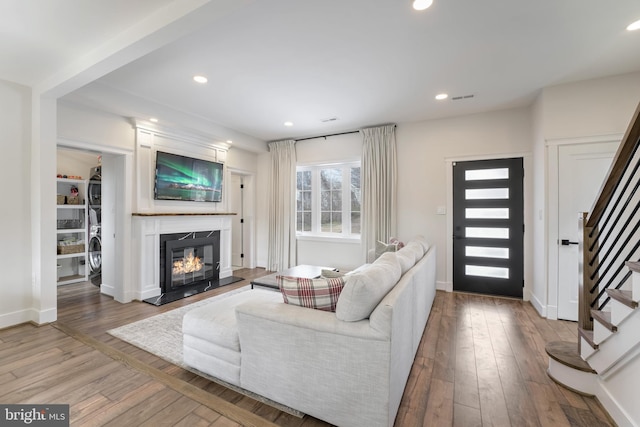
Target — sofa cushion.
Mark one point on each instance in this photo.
(321, 294)
(406, 258)
(363, 291)
(423, 242)
(416, 249)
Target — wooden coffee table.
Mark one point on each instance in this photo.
(305, 271)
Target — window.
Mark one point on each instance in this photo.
(328, 200)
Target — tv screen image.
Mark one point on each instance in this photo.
(185, 178)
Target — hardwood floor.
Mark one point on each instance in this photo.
(481, 362)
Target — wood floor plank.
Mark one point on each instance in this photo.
(464, 416)
(495, 373)
(549, 411)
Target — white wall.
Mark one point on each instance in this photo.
(15, 227)
(74, 162)
(578, 111)
(423, 149)
(82, 124)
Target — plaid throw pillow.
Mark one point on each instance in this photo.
(321, 294)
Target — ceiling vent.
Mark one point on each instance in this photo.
(330, 119)
(457, 98)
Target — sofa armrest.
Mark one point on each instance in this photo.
(307, 318)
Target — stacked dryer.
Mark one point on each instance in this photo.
(95, 229)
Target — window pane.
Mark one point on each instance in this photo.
(355, 222)
(307, 221)
(325, 179)
(487, 193)
(487, 232)
(336, 222)
(325, 200)
(299, 221)
(487, 252)
(487, 213)
(481, 174)
(325, 222)
(306, 201)
(336, 202)
(483, 271)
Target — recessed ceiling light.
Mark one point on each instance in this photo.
(200, 79)
(422, 4)
(229, 141)
(634, 26)
(153, 119)
(441, 96)
(289, 124)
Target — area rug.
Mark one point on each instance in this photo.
(162, 335)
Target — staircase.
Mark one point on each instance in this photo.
(606, 360)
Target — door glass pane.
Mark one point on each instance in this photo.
(480, 174)
(483, 271)
(486, 193)
(487, 233)
(486, 252)
(487, 213)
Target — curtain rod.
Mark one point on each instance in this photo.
(325, 136)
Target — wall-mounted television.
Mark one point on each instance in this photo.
(185, 178)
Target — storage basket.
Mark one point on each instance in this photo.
(61, 199)
(70, 249)
(73, 200)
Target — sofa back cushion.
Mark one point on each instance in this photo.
(363, 291)
(406, 258)
(321, 294)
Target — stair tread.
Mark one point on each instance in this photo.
(633, 266)
(566, 352)
(588, 337)
(622, 296)
(604, 318)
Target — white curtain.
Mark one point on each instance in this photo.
(378, 181)
(282, 207)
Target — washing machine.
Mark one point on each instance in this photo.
(94, 196)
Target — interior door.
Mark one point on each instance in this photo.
(581, 172)
(237, 223)
(488, 227)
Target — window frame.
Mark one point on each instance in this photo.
(316, 201)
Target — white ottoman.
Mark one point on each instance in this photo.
(210, 335)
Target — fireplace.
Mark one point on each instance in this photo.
(189, 260)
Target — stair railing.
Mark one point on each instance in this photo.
(610, 232)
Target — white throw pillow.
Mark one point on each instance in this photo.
(364, 291)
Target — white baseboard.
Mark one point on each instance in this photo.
(537, 304)
(16, 318)
(444, 286)
(612, 406)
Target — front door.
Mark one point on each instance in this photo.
(581, 172)
(488, 227)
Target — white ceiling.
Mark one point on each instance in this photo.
(365, 62)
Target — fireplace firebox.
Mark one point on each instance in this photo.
(189, 260)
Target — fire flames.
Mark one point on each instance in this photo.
(188, 264)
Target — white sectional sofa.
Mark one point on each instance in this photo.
(348, 368)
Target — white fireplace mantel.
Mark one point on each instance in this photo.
(146, 231)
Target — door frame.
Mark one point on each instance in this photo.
(118, 249)
(249, 208)
(550, 310)
(527, 161)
